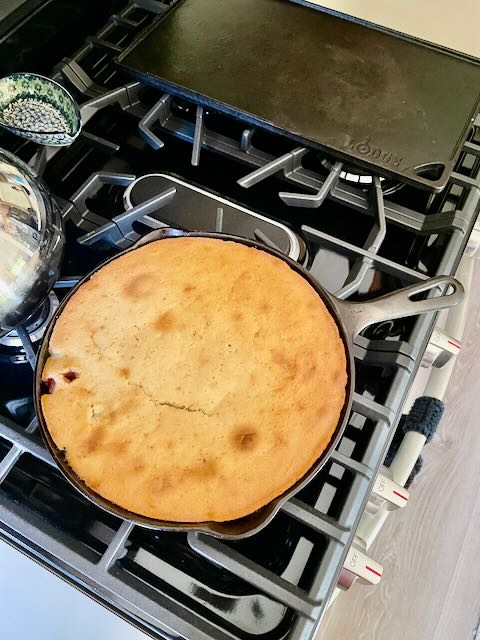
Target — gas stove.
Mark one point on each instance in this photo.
(146, 160)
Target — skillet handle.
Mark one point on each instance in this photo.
(159, 234)
(359, 315)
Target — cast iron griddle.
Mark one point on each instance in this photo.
(397, 106)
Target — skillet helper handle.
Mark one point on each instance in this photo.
(159, 234)
(359, 315)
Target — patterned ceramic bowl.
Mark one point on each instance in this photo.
(39, 109)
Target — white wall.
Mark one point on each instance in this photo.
(37, 605)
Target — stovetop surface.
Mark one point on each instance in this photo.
(364, 236)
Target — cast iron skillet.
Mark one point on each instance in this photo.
(350, 317)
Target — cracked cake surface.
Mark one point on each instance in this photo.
(194, 379)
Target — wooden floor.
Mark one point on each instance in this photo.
(430, 551)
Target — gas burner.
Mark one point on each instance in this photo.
(157, 200)
(351, 175)
(35, 326)
(197, 209)
(391, 329)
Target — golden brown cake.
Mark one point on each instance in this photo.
(194, 379)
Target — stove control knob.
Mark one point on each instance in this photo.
(387, 493)
(441, 347)
(358, 566)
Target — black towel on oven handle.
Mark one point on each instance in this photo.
(424, 417)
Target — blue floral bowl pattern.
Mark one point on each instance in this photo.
(38, 109)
